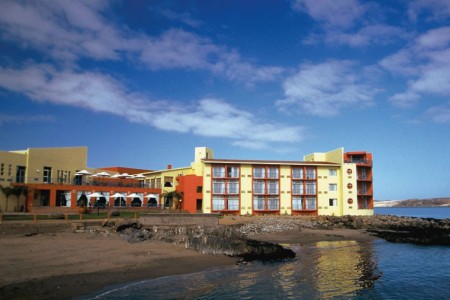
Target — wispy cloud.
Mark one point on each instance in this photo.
(348, 22)
(331, 13)
(8, 118)
(68, 31)
(432, 9)
(425, 64)
(326, 89)
(102, 93)
(182, 17)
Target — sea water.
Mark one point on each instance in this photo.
(323, 270)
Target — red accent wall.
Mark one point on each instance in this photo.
(188, 185)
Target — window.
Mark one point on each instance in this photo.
(9, 170)
(332, 187)
(199, 189)
(259, 187)
(310, 173)
(332, 202)
(218, 203)
(297, 203)
(310, 188)
(332, 172)
(47, 175)
(219, 172)
(20, 174)
(273, 203)
(297, 173)
(233, 203)
(259, 172)
(218, 187)
(2, 169)
(272, 187)
(311, 203)
(259, 203)
(233, 187)
(272, 173)
(233, 171)
(297, 187)
(362, 174)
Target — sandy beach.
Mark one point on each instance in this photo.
(65, 265)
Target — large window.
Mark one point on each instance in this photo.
(310, 173)
(259, 187)
(332, 172)
(266, 188)
(259, 203)
(297, 203)
(311, 203)
(297, 188)
(219, 172)
(333, 202)
(225, 188)
(20, 174)
(233, 187)
(218, 203)
(297, 173)
(311, 188)
(304, 188)
(259, 172)
(218, 187)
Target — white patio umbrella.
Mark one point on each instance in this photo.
(133, 195)
(96, 194)
(103, 174)
(118, 195)
(140, 176)
(83, 172)
(126, 175)
(151, 196)
(116, 176)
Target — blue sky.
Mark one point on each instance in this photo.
(141, 83)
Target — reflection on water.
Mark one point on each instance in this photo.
(339, 269)
(344, 268)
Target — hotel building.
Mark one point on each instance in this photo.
(58, 179)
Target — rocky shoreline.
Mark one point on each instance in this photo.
(235, 240)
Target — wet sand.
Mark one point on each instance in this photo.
(65, 265)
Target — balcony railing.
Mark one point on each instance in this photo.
(362, 162)
(110, 182)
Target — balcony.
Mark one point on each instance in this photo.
(359, 162)
(107, 182)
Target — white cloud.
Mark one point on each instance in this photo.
(439, 114)
(71, 30)
(433, 9)
(326, 89)
(426, 66)
(372, 34)
(341, 14)
(102, 93)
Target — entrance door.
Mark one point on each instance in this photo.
(199, 205)
(47, 175)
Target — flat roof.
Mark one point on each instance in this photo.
(268, 162)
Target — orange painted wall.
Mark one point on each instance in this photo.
(188, 185)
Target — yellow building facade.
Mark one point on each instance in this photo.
(331, 183)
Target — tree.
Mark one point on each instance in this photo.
(19, 190)
(170, 196)
(7, 191)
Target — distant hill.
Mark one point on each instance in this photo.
(433, 202)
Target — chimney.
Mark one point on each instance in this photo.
(169, 167)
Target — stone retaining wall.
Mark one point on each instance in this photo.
(179, 219)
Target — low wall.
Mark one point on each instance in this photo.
(179, 219)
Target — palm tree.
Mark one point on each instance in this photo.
(19, 190)
(7, 191)
(170, 196)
